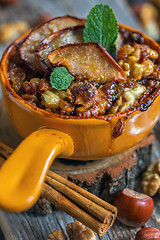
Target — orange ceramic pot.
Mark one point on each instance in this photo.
(48, 135)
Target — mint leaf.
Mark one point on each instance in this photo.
(60, 78)
(101, 26)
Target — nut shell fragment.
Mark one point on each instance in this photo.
(87, 61)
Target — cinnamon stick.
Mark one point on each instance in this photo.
(77, 202)
(102, 210)
(62, 202)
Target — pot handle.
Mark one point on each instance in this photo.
(23, 174)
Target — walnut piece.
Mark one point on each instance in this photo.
(11, 30)
(136, 60)
(50, 99)
(127, 99)
(57, 235)
(76, 231)
(151, 179)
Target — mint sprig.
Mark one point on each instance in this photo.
(101, 27)
(60, 78)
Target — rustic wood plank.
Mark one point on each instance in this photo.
(107, 176)
(24, 226)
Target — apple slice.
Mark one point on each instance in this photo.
(56, 40)
(31, 43)
(87, 61)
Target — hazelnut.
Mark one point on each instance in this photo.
(134, 209)
(148, 233)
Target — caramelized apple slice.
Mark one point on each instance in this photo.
(57, 39)
(87, 61)
(31, 43)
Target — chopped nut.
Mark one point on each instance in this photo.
(127, 99)
(135, 61)
(116, 106)
(57, 235)
(157, 84)
(35, 80)
(153, 54)
(131, 95)
(141, 70)
(50, 100)
(76, 231)
(60, 93)
(11, 30)
(119, 41)
(151, 179)
(126, 66)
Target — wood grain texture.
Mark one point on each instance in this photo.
(25, 226)
(107, 176)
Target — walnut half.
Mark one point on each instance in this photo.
(151, 179)
(75, 231)
(56, 235)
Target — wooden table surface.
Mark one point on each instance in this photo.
(24, 225)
